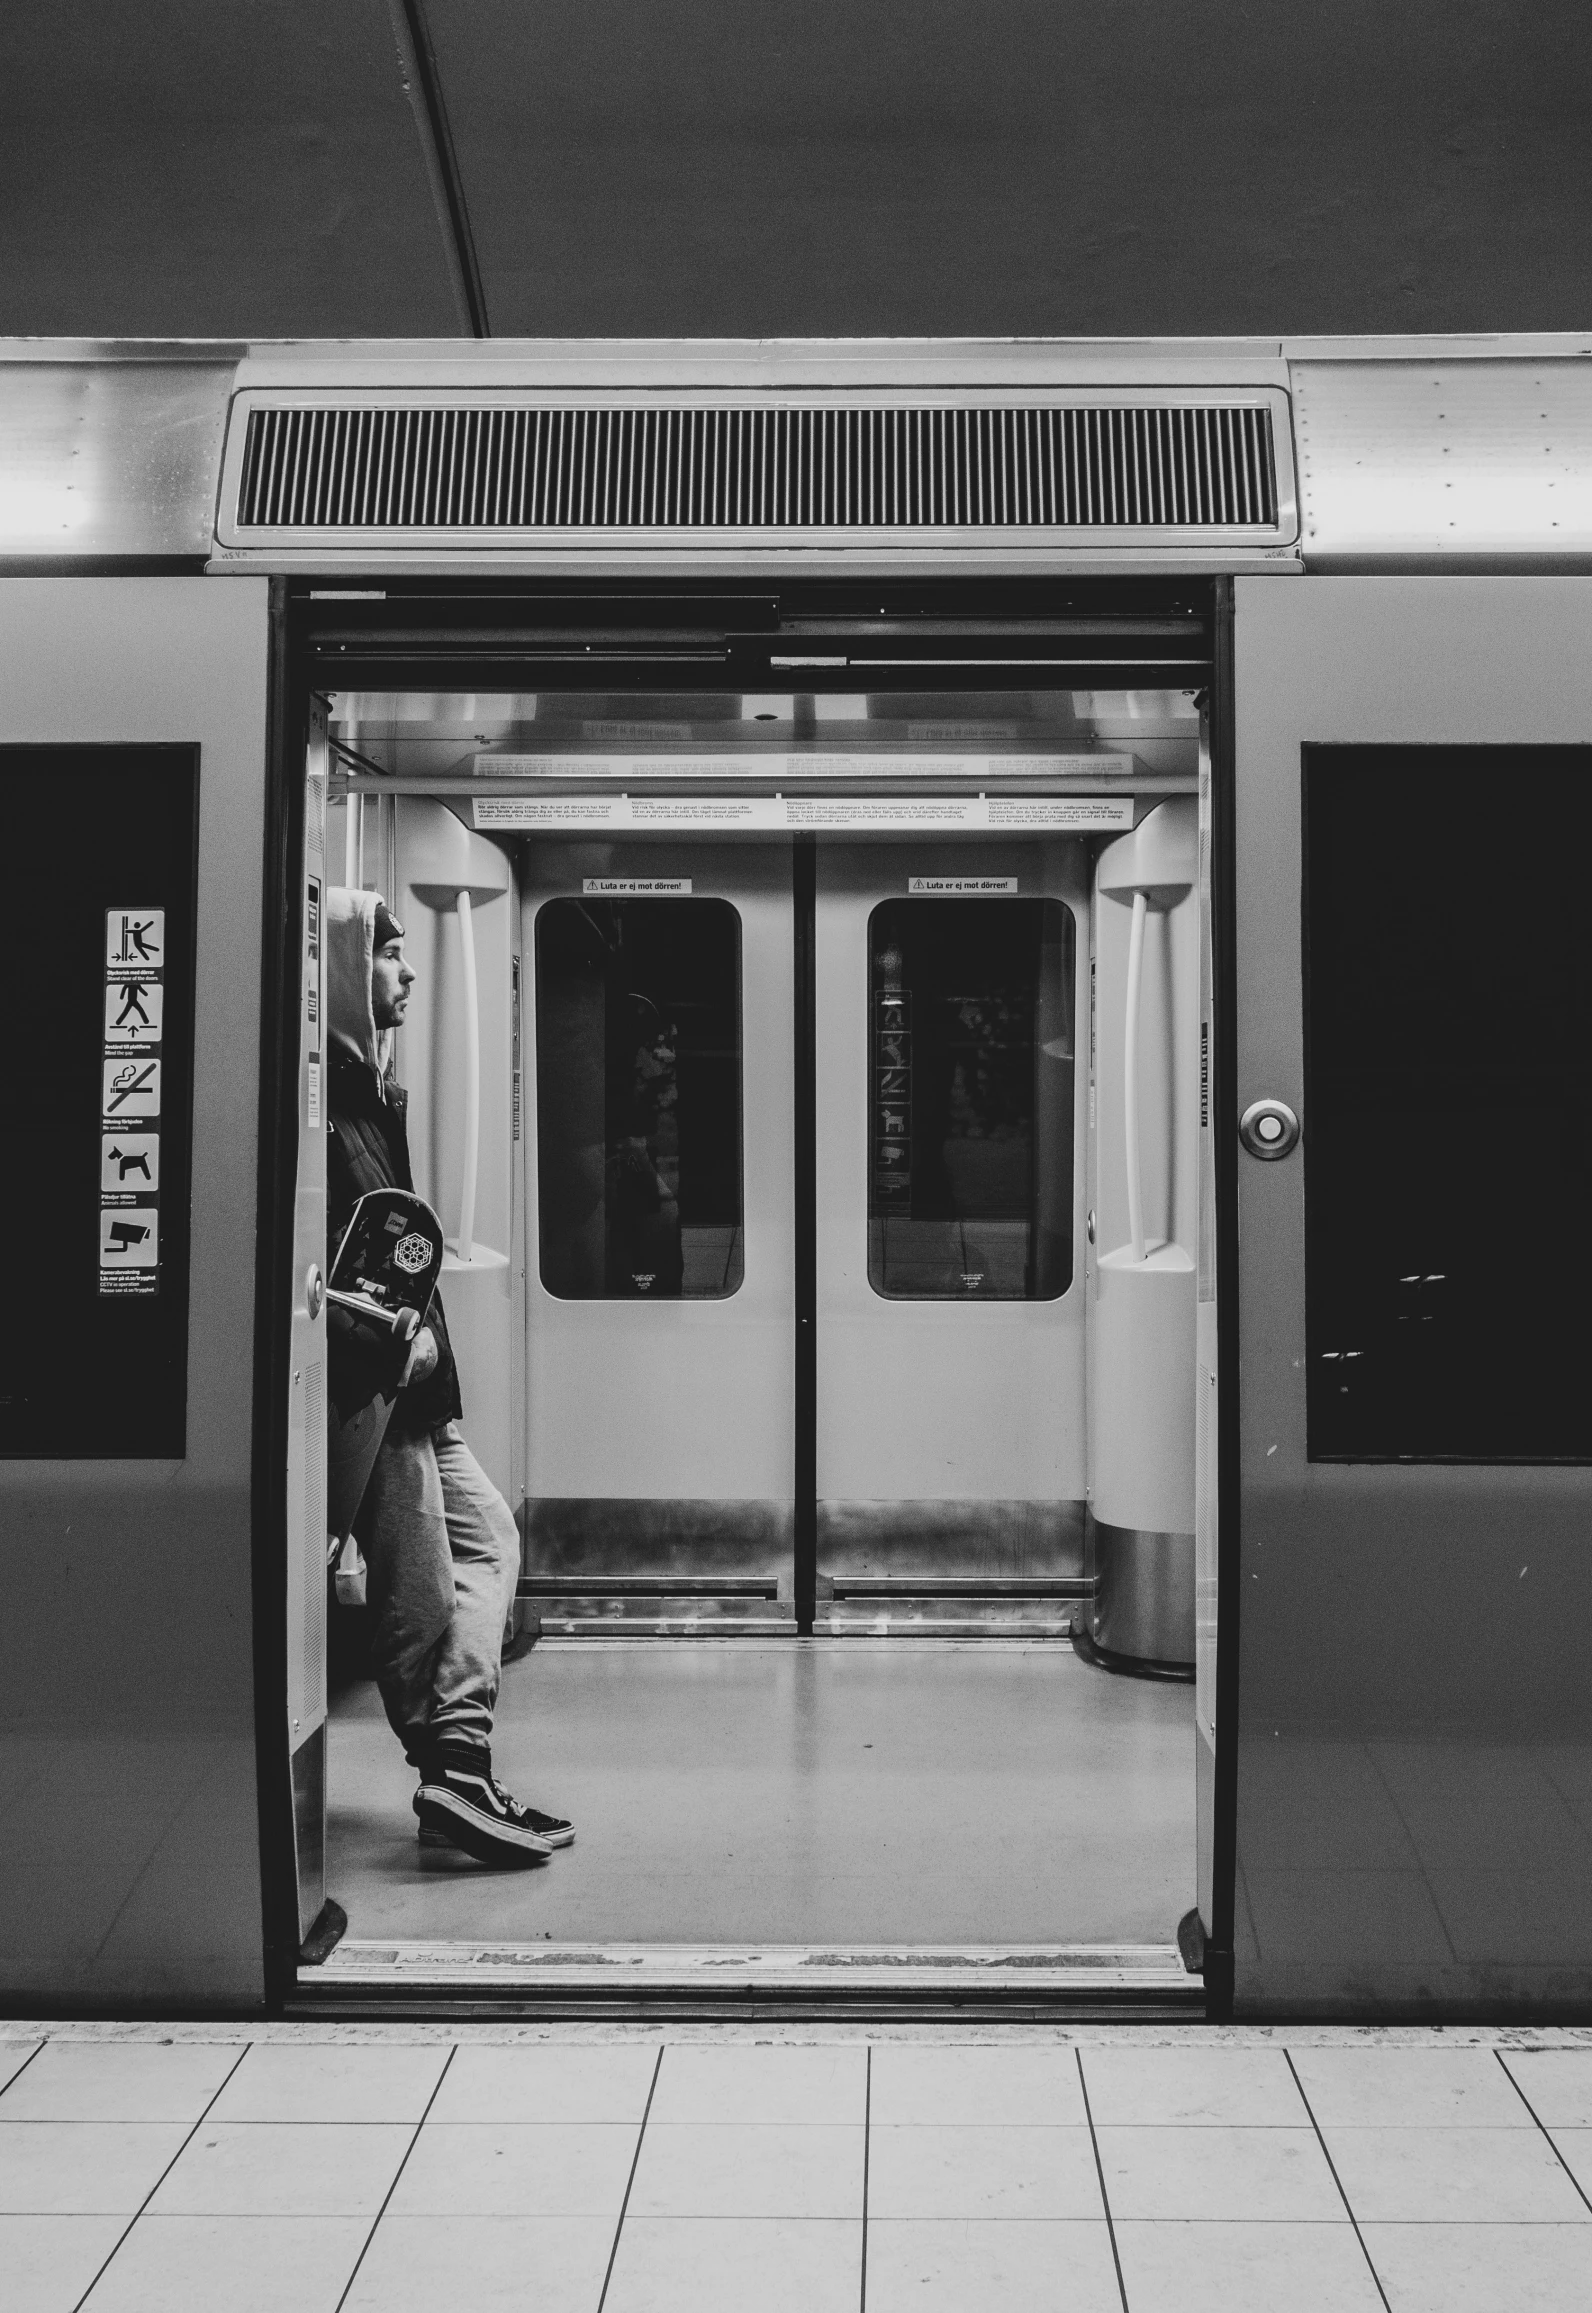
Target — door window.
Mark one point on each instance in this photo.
(638, 1059)
(1448, 1121)
(971, 1068)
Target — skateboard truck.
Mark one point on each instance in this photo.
(398, 1324)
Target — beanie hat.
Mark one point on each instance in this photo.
(387, 926)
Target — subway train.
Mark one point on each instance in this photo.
(1010, 1172)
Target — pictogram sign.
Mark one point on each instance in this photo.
(129, 1167)
(134, 1025)
(132, 1012)
(135, 940)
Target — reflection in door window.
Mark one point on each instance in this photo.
(970, 1099)
(638, 1073)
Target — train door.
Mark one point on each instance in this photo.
(1413, 1454)
(913, 1451)
(306, 1432)
(660, 1277)
(951, 1167)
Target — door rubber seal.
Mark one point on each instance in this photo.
(1127, 1666)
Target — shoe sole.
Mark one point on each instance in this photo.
(459, 1825)
(430, 1838)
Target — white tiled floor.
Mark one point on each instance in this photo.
(619, 2169)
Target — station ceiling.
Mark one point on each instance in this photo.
(253, 168)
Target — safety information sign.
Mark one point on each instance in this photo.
(962, 886)
(132, 1087)
(132, 1012)
(636, 886)
(135, 941)
(129, 1167)
(129, 1247)
(130, 1071)
(774, 814)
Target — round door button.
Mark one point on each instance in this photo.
(1269, 1129)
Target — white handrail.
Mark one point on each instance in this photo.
(1130, 1075)
(472, 1080)
(353, 840)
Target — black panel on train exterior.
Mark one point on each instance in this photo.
(86, 1373)
(970, 1088)
(1448, 1120)
(638, 1071)
(842, 635)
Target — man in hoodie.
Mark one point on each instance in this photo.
(440, 1541)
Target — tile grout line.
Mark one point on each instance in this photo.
(160, 2180)
(1100, 2172)
(867, 2139)
(1287, 2057)
(386, 2198)
(1531, 2108)
(635, 2163)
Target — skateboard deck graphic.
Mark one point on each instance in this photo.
(382, 1281)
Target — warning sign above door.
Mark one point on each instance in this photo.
(962, 886)
(640, 886)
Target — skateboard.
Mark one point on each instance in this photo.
(382, 1281)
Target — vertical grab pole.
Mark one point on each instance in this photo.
(472, 1080)
(1130, 1075)
(353, 843)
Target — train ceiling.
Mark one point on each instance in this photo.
(256, 168)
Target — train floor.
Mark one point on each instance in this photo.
(848, 1791)
(303, 2168)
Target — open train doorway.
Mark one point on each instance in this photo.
(807, 1083)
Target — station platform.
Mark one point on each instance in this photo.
(617, 2169)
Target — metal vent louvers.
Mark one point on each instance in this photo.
(484, 470)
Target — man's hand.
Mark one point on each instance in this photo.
(422, 1357)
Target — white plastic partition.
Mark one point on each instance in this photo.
(1142, 1329)
(453, 894)
(472, 1077)
(1130, 1076)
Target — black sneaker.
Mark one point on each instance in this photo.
(462, 1804)
(552, 1828)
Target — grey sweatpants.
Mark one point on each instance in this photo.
(444, 1557)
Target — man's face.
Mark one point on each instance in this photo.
(391, 979)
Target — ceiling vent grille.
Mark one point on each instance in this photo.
(485, 470)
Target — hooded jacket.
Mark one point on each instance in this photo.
(367, 1145)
